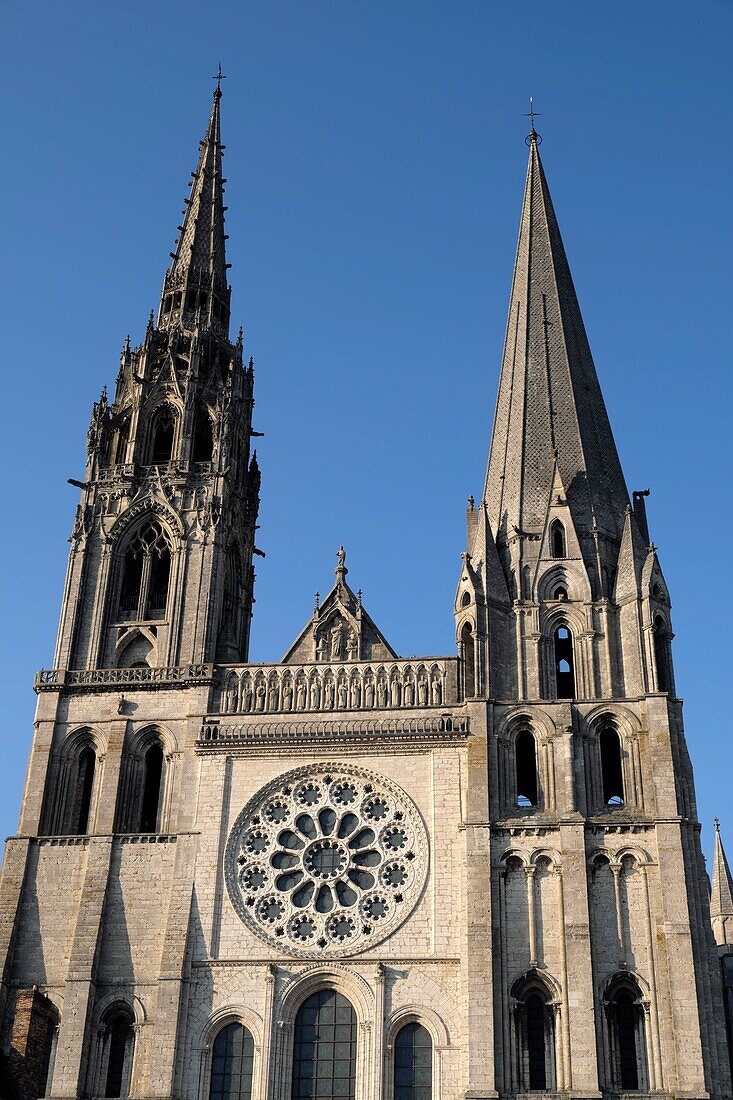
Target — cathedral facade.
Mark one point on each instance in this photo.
(351, 875)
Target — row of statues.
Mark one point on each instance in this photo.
(261, 695)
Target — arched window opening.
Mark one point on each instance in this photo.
(525, 759)
(145, 575)
(625, 1016)
(465, 599)
(84, 784)
(47, 1050)
(120, 1049)
(557, 540)
(152, 784)
(231, 1065)
(161, 449)
(324, 1048)
(527, 583)
(121, 440)
(203, 439)
(564, 664)
(468, 658)
(536, 1056)
(611, 767)
(560, 593)
(660, 638)
(413, 1063)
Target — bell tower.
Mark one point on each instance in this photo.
(160, 570)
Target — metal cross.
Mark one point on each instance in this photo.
(219, 77)
(531, 113)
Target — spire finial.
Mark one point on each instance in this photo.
(532, 137)
(218, 78)
(716, 823)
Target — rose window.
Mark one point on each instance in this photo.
(326, 860)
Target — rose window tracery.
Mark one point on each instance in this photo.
(326, 860)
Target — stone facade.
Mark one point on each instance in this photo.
(485, 867)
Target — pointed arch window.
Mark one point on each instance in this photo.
(203, 438)
(535, 1031)
(145, 575)
(232, 1064)
(564, 664)
(162, 436)
(662, 654)
(468, 660)
(118, 1051)
(612, 775)
(324, 1048)
(557, 540)
(413, 1063)
(152, 788)
(121, 440)
(525, 761)
(83, 787)
(626, 1035)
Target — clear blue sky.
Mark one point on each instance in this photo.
(375, 158)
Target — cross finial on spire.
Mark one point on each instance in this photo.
(218, 78)
(716, 823)
(532, 115)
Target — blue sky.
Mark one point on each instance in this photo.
(375, 159)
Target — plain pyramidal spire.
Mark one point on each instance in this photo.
(550, 414)
(196, 290)
(721, 893)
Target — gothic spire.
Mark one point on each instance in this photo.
(721, 893)
(195, 291)
(550, 412)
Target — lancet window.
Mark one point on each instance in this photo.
(626, 1036)
(525, 761)
(468, 661)
(535, 1034)
(232, 1064)
(564, 664)
(118, 1048)
(324, 1049)
(203, 438)
(143, 785)
(662, 654)
(612, 775)
(557, 540)
(413, 1063)
(145, 575)
(162, 436)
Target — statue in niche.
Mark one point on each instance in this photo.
(300, 696)
(328, 695)
(381, 693)
(437, 693)
(273, 696)
(343, 696)
(354, 695)
(337, 640)
(314, 695)
(369, 694)
(351, 646)
(321, 649)
(260, 697)
(394, 693)
(408, 694)
(422, 691)
(247, 697)
(287, 695)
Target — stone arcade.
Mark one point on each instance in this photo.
(350, 875)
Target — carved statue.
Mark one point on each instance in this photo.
(354, 694)
(381, 694)
(341, 556)
(287, 695)
(314, 695)
(321, 649)
(247, 697)
(394, 693)
(328, 695)
(300, 696)
(343, 696)
(273, 697)
(422, 691)
(351, 646)
(260, 697)
(337, 641)
(437, 693)
(408, 693)
(369, 694)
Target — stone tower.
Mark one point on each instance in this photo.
(350, 874)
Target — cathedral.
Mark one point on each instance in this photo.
(348, 875)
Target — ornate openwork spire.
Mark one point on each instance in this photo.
(195, 291)
(550, 412)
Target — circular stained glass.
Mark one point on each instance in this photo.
(325, 861)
